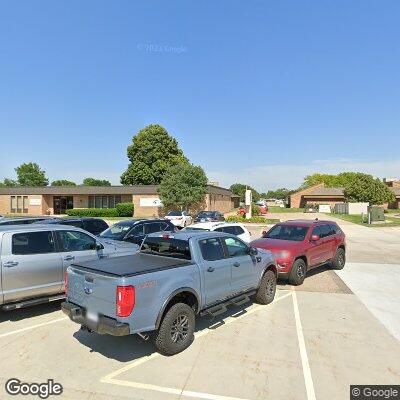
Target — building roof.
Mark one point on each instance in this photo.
(92, 190)
(321, 191)
(326, 191)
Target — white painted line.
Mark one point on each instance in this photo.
(303, 351)
(163, 389)
(110, 378)
(32, 327)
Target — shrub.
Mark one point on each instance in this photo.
(125, 209)
(256, 219)
(255, 210)
(93, 212)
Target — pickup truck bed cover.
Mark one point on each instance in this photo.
(131, 265)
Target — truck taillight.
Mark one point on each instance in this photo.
(66, 284)
(125, 300)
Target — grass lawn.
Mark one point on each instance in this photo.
(393, 211)
(283, 210)
(356, 219)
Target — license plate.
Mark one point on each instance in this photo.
(92, 316)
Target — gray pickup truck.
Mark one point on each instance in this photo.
(34, 258)
(159, 290)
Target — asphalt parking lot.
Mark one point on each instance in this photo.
(311, 343)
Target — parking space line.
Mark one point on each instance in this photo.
(28, 328)
(163, 389)
(110, 378)
(303, 351)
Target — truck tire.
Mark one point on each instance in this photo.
(266, 291)
(176, 331)
(298, 272)
(339, 260)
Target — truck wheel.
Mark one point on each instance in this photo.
(298, 272)
(339, 260)
(266, 291)
(176, 331)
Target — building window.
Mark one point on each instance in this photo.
(19, 204)
(104, 201)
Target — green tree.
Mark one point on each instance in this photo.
(328, 179)
(280, 194)
(240, 189)
(183, 186)
(151, 153)
(63, 182)
(95, 182)
(367, 189)
(8, 183)
(30, 174)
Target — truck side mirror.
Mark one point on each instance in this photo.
(253, 251)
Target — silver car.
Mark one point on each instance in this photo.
(34, 258)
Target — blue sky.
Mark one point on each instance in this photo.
(262, 92)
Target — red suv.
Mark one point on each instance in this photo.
(301, 245)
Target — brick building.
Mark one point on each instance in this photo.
(57, 199)
(319, 194)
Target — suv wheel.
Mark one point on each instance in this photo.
(176, 331)
(298, 272)
(266, 291)
(339, 260)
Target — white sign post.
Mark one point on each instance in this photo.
(248, 202)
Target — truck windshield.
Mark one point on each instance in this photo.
(167, 247)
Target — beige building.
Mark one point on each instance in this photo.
(51, 200)
(319, 194)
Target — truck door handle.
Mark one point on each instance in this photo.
(236, 264)
(68, 258)
(9, 264)
(210, 269)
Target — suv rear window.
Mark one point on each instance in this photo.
(167, 247)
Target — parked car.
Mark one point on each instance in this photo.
(135, 230)
(209, 216)
(301, 245)
(92, 225)
(233, 228)
(264, 210)
(21, 220)
(173, 278)
(34, 258)
(179, 218)
(241, 211)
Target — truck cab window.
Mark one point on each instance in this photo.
(32, 243)
(76, 241)
(235, 247)
(211, 249)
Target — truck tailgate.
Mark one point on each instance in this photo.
(93, 291)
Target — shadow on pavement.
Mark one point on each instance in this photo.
(132, 347)
(30, 312)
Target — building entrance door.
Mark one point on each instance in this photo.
(62, 203)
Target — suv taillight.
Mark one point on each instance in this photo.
(125, 300)
(66, 284)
